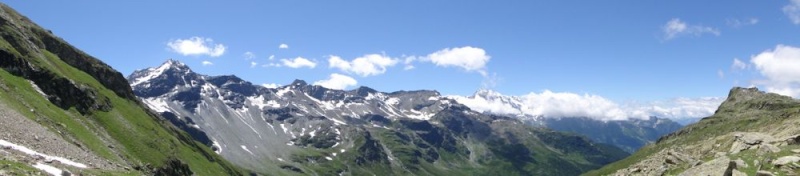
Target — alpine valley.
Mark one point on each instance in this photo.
(312, 130)
(65, 112)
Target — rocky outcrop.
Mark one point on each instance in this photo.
(20, 58)
(173, 167)
(751, 131)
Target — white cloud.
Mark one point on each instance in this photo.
(408, 61)
(197, 46)
(283, 46)
(271, 85)
(337, 81)
(207, 63)
(367, 65)
(469, 58)
(271, 57)
(564, 104)
(738, 64)
(678, 108)
(253, 64)
(781, 68)
(792, 10)
(249, 55)
(298, 63)
(271, 65)
(720, 73)
(742, 22)
(676, 27)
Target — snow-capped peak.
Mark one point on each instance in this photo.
(487, 93)
(141, 76)
(490, 101)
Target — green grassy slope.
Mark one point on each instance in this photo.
(745, 110)
(102, 115)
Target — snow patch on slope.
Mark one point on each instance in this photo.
(31, 152)
(48, 168)
(156, 104)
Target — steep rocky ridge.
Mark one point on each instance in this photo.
(81, 100)
(751, 133)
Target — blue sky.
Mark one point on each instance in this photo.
(622, 50)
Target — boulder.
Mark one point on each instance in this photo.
(785, 160)
(764, 173)
(749, 140)
(794, 140)
(717, 166)
(740, 163)
(768, 148)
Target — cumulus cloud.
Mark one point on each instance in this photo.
(565, 104)
(207, 63)
(781, 68)
(742, 22)
(249, 55)
(792, 10)
(270, 85)
(676, 27)
(468, 58)
(367, 65)
(271, 57)
(253, 64)
(678, 108)
(298, 62)
(283, 46)
(197, 46)
(337, 81)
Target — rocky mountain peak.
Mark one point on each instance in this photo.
(748, 99)
(487, 93)
(156, 81)
(365, 91)
(169, 67)
(298, 83)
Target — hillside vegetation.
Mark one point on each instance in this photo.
(90, 104)
(752, 131)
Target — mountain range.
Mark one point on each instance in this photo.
(309, 129)
(65, 112)
(629, 134)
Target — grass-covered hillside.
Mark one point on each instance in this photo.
(90, 105)
(752, 131)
